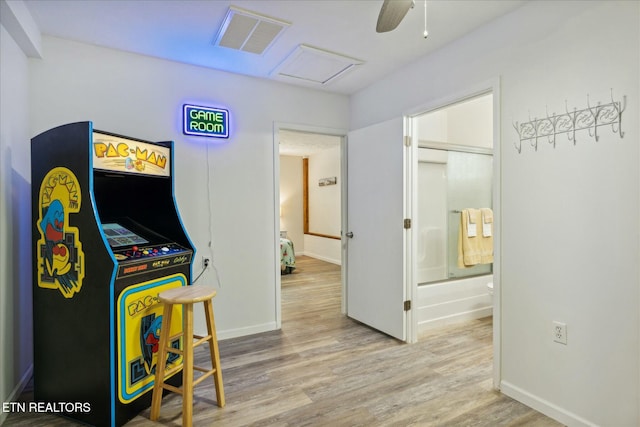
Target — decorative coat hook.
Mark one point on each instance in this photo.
(590, 118)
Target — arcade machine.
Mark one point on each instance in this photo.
(107, 238)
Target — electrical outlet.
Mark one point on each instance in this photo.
(205, 262)
(560, 332)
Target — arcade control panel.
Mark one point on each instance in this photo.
(136, 252)
(142, 259)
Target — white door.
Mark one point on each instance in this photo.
(375, 232)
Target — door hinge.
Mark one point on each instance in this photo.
(407, 141)
(407, 223)
(407, 305)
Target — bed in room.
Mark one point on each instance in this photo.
(287, 256)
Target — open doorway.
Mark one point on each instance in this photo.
(310, 193)
(457, 172)
(454, 175)
(309, 221)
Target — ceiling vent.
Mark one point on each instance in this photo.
(315, 65)
(248, 31)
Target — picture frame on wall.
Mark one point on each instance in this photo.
(328, 181)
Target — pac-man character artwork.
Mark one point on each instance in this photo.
(59, 250)
(150, 339)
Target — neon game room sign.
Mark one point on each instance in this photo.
(205, 121)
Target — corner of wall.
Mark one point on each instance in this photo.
(17, 19)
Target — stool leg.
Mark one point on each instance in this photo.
(161, 362)
(215, 354)
(187, 367)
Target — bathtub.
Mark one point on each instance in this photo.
(453, 301)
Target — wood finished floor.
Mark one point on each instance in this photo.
(323, 369)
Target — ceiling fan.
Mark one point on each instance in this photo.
(392, 13)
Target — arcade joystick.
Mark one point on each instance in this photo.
(134, 248)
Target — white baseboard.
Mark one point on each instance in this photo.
(250, 330)
(322, 258)
(17, 391)
(547, 408)
(455, 318)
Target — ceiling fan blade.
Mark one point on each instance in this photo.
(392, 13)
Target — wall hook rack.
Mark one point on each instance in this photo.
(590, 118)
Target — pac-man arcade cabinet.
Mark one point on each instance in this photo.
(107, 238)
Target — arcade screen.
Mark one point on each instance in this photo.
(117, 235)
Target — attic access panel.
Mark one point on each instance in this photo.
(315, 65)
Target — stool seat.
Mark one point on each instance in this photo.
(186, 296)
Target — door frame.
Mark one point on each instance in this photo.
(342, 133)
(491, 86)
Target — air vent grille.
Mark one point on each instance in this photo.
(248, 31)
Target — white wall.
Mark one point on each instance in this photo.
(324, 202)
(15, 218)
(470, 122)
(142, 97)
(569, 219)
(323, 248)
(464, 123)
(324, 206)
(18, 40)
(433, 127)
(291, 200)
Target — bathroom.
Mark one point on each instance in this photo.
(455, 172)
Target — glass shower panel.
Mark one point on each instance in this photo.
(469, 185)
(431, 256)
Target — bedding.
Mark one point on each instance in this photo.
(287, 256)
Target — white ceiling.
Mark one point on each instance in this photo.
(184, 31)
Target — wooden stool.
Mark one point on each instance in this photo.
(187, 296)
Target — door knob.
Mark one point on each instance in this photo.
(349, 235)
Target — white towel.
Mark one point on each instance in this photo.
(487, 222)
(472, 227)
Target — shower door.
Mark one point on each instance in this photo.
(469, 185)
(448, 182)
